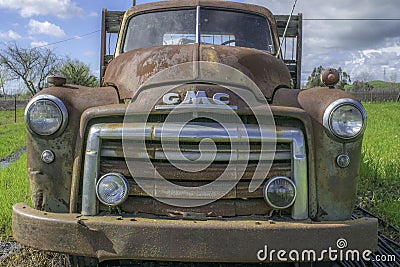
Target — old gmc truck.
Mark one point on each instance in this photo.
(198, 147)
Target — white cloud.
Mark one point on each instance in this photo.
(13, 35)
(96, 72)
(93, 14)
(58, 8)
(357, 46)
(379, 63)
(38, 44)
(89, 53)
(37, 27)
(10, 34)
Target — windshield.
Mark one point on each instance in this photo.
(219, 27)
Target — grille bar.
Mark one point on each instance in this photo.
(213, 172)
(114, 150)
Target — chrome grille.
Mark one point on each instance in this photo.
(104, 154)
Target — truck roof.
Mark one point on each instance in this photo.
(171, 4)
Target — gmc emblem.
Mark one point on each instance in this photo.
(198, 99)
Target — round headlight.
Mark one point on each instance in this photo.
(345, 119)
(280, 192)
(46, 115)
(112, 189)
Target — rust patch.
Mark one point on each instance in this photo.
(130, 70)
(39, 200)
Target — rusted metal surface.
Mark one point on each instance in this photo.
(336, 187)
(132, 69)
(287, 98)
(211, 173)
(112, 237)
(154, 151)
(268, 72)
(240, 191)
(50, 184)
(315, 100)
(330, 77)
(222, 209)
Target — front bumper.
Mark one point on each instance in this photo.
(116, 237)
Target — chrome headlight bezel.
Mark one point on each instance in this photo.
(332, 108)
(268, 184)
(61, 108)
(124, 183)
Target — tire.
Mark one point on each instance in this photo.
(80, 261)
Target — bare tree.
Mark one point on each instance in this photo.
(31, 65)
(4, 77)
(364, 76)
(393, 80)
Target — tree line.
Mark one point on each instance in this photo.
(362, 84)
(31, 67)
(314, 80)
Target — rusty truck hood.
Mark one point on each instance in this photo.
(130, 70)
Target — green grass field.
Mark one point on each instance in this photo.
(384, 85)
(7, 117)
(379, 186)
(14, 188)
(13, 179)
(12, 135)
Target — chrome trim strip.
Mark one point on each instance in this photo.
(153, 132)
(201, 107)
(299, 169)
(206, 155)
(198, 25)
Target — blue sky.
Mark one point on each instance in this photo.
(366, 49)
(50, 21)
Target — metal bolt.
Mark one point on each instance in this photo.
(343, 160)
(48, 156)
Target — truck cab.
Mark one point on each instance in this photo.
(199, 146)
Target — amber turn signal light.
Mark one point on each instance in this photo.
(330, 77)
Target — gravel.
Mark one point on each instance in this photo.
(13, 254)
(7, 249)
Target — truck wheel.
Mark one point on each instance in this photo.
(79, 261)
